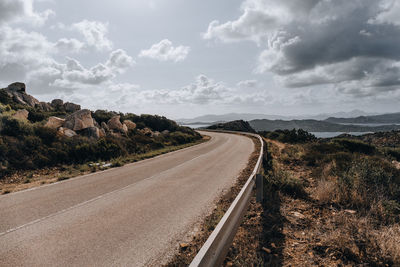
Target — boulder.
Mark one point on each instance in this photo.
(71, 107)
(17, 87)
(165, 132)
(57, 104)
(102, 133)
(17, 92)
(30, 100)
(105, 127)
(156, 133)
(55, 122)
(91, 132)
(66, 132)
(45, 106)
(130, 124)
(124, 128)
(21, 114)
(146, 131)
(115, 124)
(79, 120)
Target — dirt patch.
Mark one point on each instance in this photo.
(187, 251)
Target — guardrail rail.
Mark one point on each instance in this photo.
(214, 250)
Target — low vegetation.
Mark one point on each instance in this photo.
(28, 144)
(328, 202)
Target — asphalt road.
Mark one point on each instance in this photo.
(129, 216)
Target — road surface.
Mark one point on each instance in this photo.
(129, 216)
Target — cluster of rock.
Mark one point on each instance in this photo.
(17, 91)
(82, 122)
(79, 122)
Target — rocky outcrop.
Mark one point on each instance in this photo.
(54, 122)
(21, 114)
(79, 120)
(17, 91)
(130, 124)
(57, 103)
(45, 106)
(17, 87)
(65, 132)
(92, 132)
(104, 126)
(147, 132)
(115, 124)
(71, 107)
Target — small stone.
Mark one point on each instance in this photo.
(267, 250)
(350, 211)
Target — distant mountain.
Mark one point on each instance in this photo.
(316, 126)
(212, 118)
(385, 118)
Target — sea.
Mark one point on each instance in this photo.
(317, 134)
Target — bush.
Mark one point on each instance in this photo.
(290, 136)
(13, 127)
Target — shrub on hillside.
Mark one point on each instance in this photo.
(290, 136)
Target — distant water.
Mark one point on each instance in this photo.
(196, 126)
(334, 134)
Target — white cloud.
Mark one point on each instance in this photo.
(69, 45)
(247, 84)
(95, 34)
(165, 51)
(22, 11)
(390, 10)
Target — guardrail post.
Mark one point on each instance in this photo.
(260, 188)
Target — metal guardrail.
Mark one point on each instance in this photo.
(214, 250)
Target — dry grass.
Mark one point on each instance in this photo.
(325, 191)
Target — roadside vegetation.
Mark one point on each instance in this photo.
(328, 202)
(30, 147)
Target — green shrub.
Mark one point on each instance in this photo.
(16, 128)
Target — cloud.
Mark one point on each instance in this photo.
(69, 45)
(315, 42)
(95, 34)
(22, 11)
(165, 51)
(247, 84)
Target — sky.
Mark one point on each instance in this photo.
(186, 58)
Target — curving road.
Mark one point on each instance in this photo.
(128, 216)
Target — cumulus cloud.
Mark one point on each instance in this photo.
(315, 42)
(95, 34)
(165, 51)
(69, 45)
(22, 10)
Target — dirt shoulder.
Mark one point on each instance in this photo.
(22, 180)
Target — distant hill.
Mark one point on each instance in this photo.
(212, 118)
(385, 118)
(239, 125)
(315, 126)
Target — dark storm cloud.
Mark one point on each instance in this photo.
(322, 42)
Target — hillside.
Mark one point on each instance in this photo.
(316, 126)
(239, 126)
(327, 203)
(35, 135)
(384, 118)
